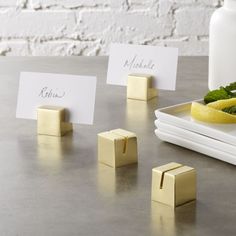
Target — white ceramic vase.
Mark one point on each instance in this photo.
(222, 50)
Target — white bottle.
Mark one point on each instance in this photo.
(222, 50)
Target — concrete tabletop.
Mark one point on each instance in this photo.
(51, 186)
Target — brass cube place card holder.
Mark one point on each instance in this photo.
(173, 184)
(117, 148)
(139, 87)
(51, 121)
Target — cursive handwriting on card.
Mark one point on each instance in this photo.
(46, 92)
(159, 62)
(139, 63)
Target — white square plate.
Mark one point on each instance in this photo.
(195, 137)
(179, 115)
(195, 146)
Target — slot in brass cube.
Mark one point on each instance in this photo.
(173, 184)
(51, 121)
(117, 148)
(139, 87)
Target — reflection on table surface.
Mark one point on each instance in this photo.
(112, 181)
(164, 218)
(139, 113)
(51, 150)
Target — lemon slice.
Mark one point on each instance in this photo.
(221, 104)
(211, 114)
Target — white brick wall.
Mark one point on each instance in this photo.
(86, 27)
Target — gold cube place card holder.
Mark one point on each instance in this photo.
(139, 87)
(51, 121)
(173, 184)
(117, 148)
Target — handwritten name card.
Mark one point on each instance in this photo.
(160, 62)
(73, 92)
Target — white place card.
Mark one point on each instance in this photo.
(160, 62)
(75, 93)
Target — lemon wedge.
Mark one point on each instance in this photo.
(212, 112)
(221, 104)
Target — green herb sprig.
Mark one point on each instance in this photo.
(230, 110)
(221, 93)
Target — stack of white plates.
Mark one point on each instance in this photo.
(175, 125)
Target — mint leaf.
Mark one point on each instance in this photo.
(216, 95)
(231, 87)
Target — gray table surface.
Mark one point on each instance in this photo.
(50, 186)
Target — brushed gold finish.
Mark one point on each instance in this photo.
(139, 87)
(117, 148)
(173, 184)
(51, 121)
